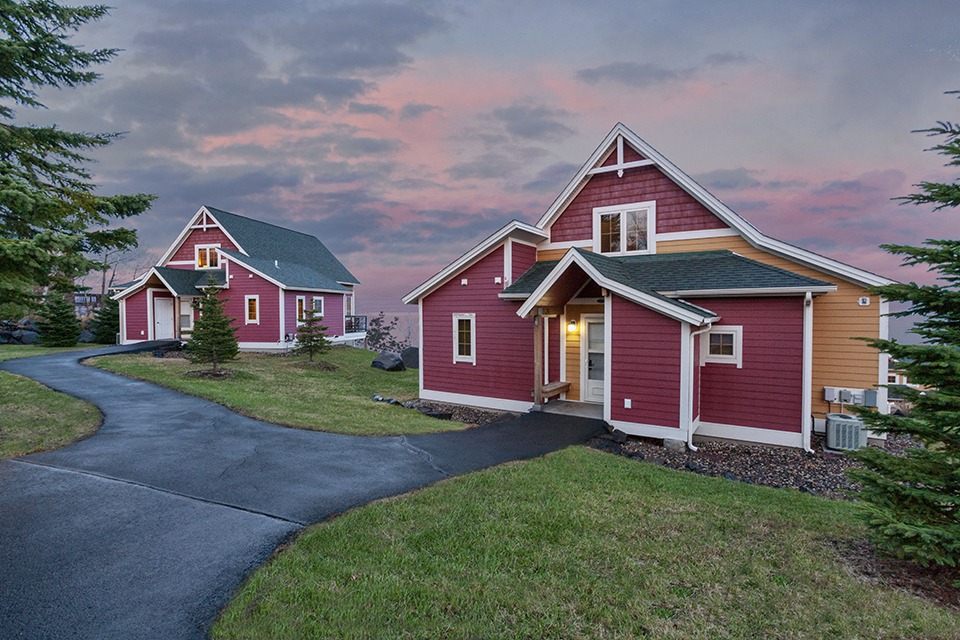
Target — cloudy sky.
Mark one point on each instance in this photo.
(403, 133)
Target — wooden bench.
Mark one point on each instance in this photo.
(554, 389)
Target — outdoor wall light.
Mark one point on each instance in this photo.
(572, 326)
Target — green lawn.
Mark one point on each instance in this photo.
(36, 418)
(579, 544)
(286, 390)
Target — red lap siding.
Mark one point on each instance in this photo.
(524, 256)
(244, 282)
(645, 365)
(676, 209)
(767, 392)
(504, 355)
(135, 316)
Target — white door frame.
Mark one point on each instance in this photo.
(585, 319)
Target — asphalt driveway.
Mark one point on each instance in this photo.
(145, 529)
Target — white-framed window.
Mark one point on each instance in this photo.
(318, 306)
(465, 338)
(625, 229)
(723, 344)
(186, 314)
(251, 305)
(301, 309)
(206, 256)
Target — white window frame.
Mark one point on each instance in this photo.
(320, 309)
(207, 248)
(300, 310)
(649, 206)
(472, 358)
(246, 309)
(736, 358)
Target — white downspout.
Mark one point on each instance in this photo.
(807, 404)
(696, 364)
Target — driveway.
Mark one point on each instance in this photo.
(145, 529)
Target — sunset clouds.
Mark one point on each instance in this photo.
(403, 133)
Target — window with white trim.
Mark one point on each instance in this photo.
(625, 229)
(465, 338)
(318, 306)
(723, 345)
(301, 309)
(206, 256)
(251, 305)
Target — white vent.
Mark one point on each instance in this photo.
(845, 432)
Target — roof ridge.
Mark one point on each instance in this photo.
(269, 224)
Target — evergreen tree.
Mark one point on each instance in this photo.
(50, 218)
(106, 323)
(214, 339)
(58, 326)
(912, 503)
(311, 335)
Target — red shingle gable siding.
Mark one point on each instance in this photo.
(629, 155)
(199, 236)
(504, 354)
(767, 392)
(645, 365)
(676, 209)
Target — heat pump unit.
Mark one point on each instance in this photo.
(845, 432)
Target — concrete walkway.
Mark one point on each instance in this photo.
(146, 529)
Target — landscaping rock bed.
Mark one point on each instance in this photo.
(820, 473)
(467, 415)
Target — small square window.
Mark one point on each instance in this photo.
(723, 345)
(207, 257)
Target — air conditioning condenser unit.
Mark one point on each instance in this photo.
(845, 432)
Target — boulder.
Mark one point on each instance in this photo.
(388, 361)
(86, 336)
(411, 357)
(27, 324)
(25, 336)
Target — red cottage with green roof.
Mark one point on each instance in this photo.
(270, 275)
(640, 298)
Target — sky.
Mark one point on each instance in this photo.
(403, 133)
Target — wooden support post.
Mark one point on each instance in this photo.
(176, 317)
(537, 362)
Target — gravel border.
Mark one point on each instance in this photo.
(821, 473)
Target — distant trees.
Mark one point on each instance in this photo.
(311, 335)
(381, 334)
(912, 503)
(51, 219)
(214, 339)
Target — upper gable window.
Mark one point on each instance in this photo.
(207, 256)
(625, 228)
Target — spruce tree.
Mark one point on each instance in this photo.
(106, 322)
(311, 335)
(51, 219)
(912, 503)
(214, 339)
(58, 325)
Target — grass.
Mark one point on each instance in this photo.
(287, 390)
(579, 544)
(36, 418)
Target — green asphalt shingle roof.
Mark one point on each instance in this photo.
(309, 264)
(671, 272)
(187, 282)
(291, 274)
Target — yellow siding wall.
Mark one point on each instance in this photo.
(838, 359)
(553, 254)
(572, 346)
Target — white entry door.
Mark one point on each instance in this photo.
(594, 359)
(163, 318)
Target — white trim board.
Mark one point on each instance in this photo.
(476, 401)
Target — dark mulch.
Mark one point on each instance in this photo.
(865, 561)
(468, 415)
